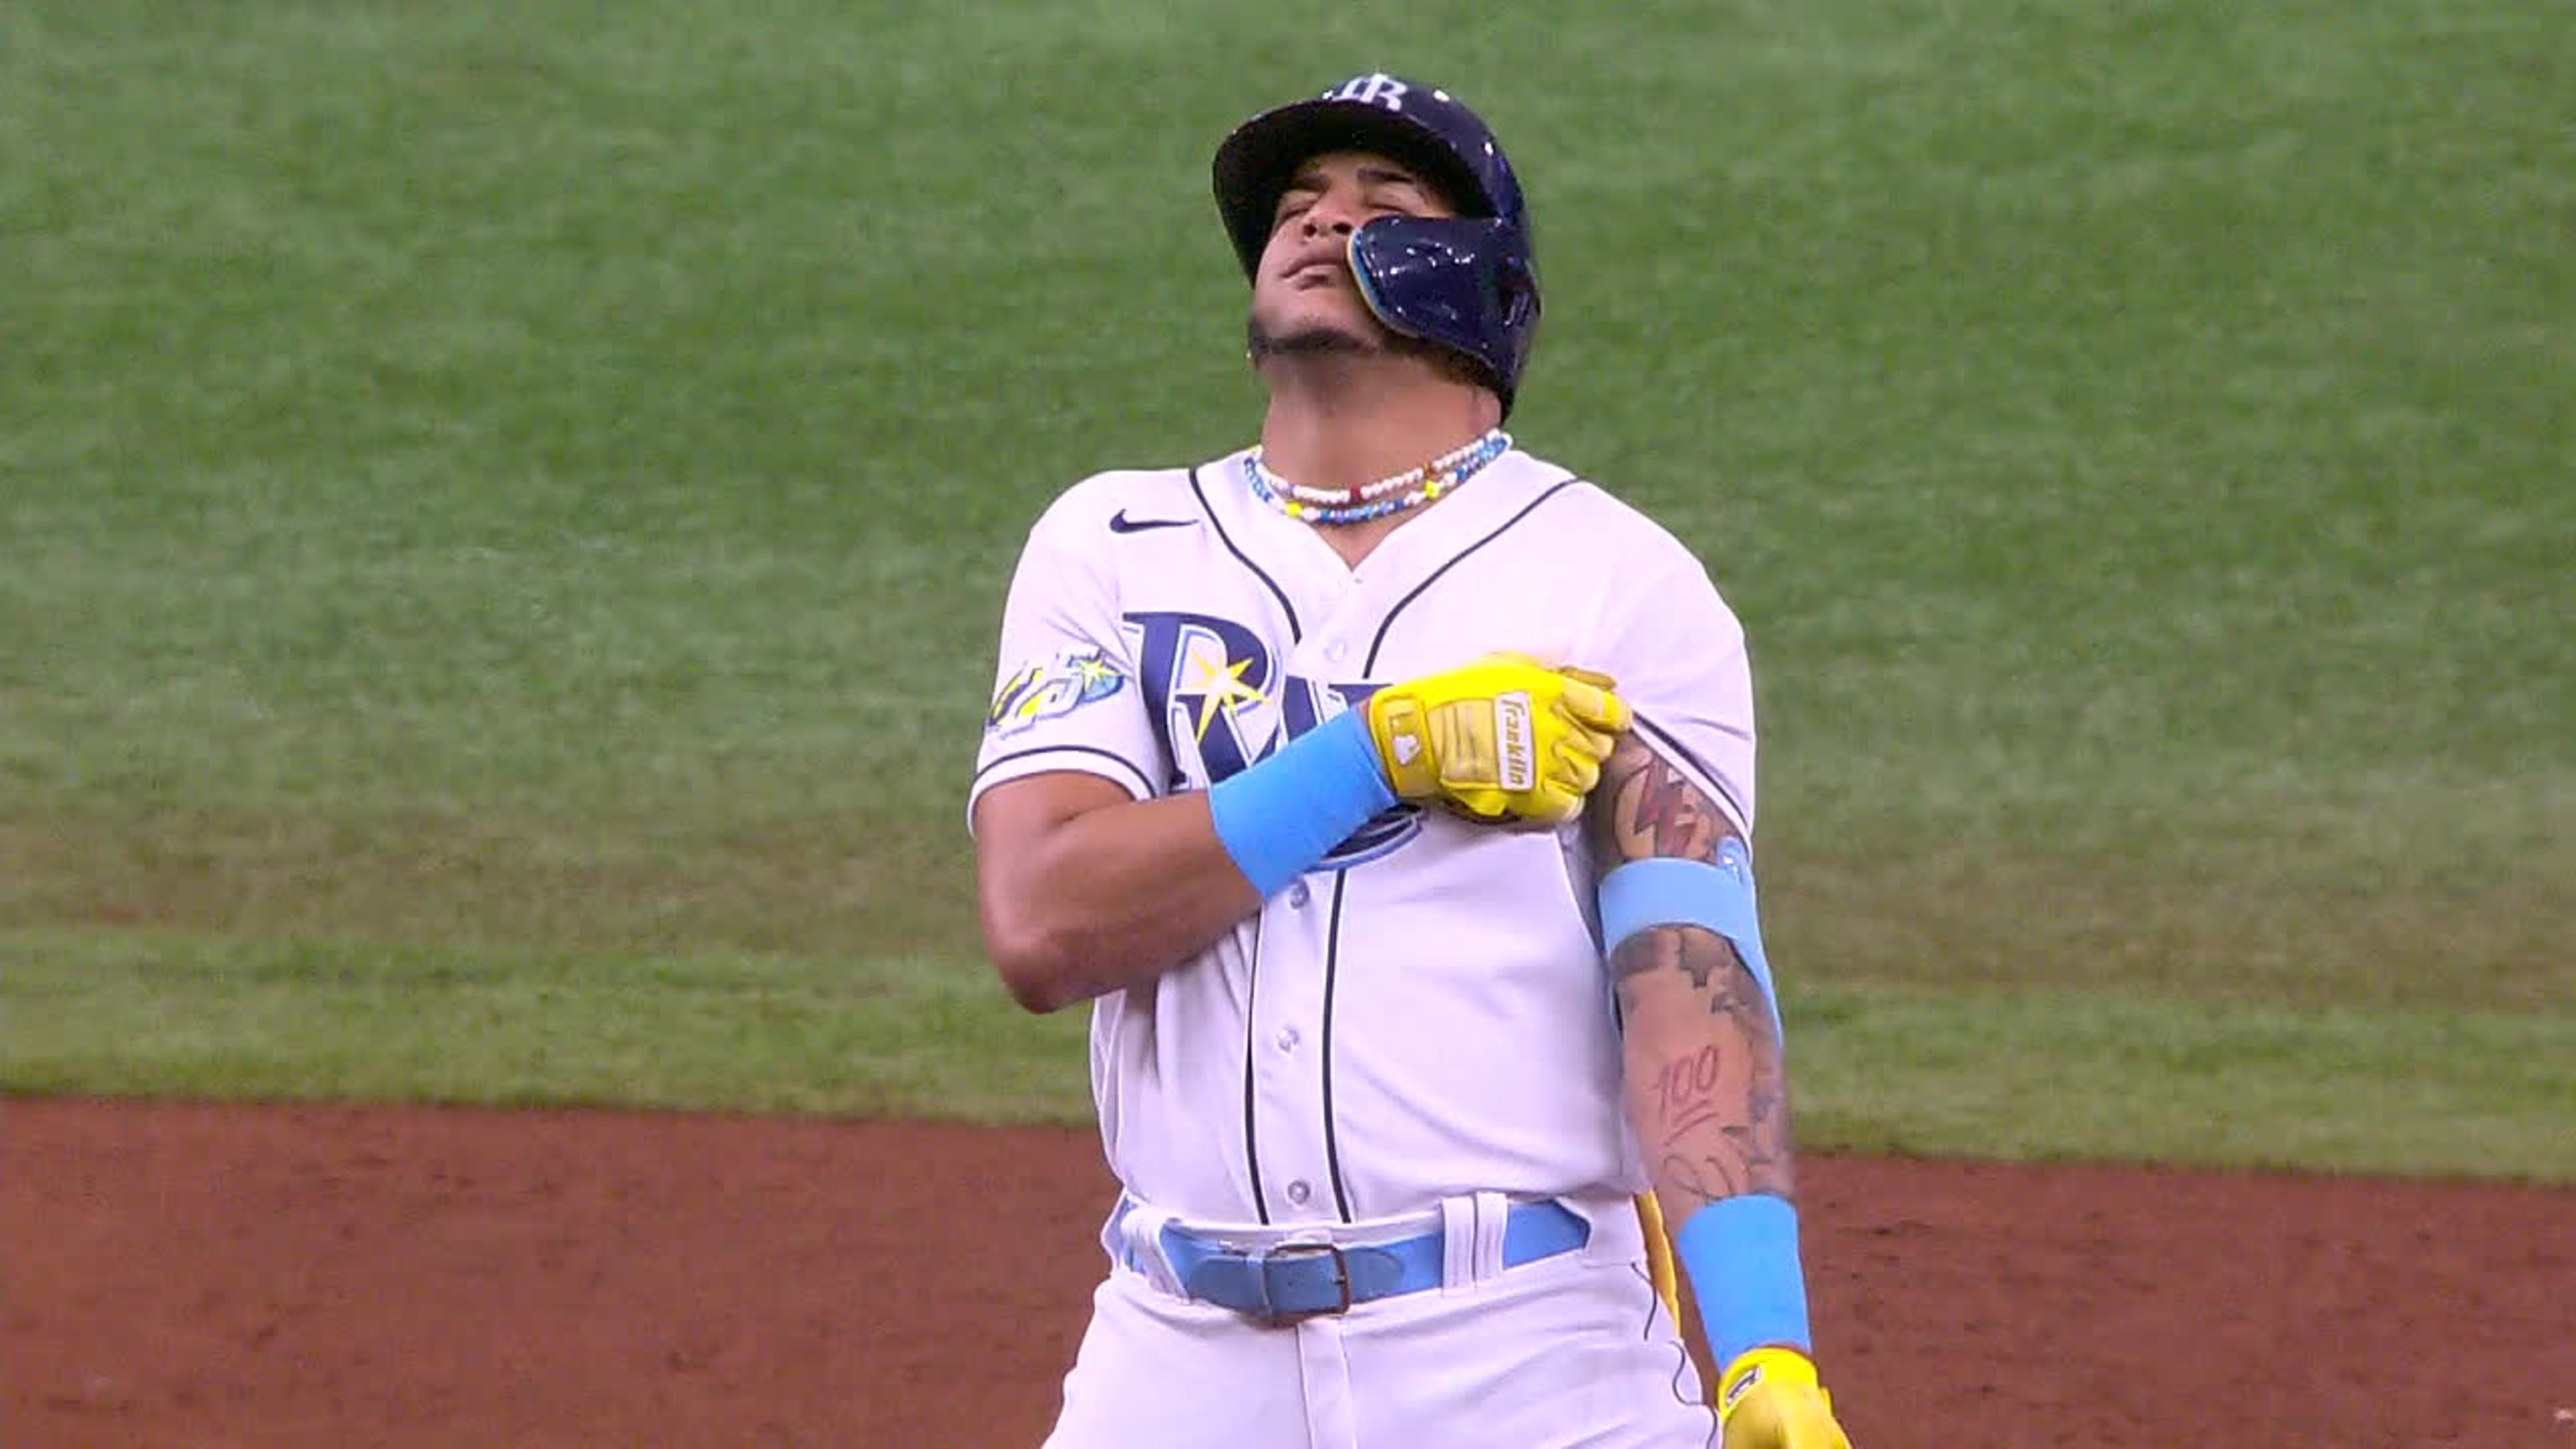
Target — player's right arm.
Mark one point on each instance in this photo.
(1089, 876)
(1084, 890)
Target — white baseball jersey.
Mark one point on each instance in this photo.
(1425, 1013)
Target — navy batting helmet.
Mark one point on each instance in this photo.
(1467, 283)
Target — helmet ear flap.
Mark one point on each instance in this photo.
(1462, 283)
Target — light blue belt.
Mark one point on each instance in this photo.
(1290, 1281)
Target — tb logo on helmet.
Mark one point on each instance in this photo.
(1378, 89)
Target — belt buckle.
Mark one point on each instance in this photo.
(1341, 1280)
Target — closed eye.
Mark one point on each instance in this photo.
(1383, 190)
(1388, 189)
(1380, 181)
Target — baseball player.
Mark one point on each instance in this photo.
(1386, 789)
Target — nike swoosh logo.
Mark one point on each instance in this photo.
(1119, 522)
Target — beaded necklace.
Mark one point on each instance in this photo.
(1358, 505)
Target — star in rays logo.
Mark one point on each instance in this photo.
(1219, 686)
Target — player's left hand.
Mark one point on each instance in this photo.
(1501, 738)
(1768, 1398)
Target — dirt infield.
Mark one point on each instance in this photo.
(181, 1275)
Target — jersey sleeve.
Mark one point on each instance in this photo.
(1678, 653)
(1064, 694)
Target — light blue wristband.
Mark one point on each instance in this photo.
(1284, 814)
(1742, 1257)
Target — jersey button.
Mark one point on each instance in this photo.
(1298, 895)
(1337, 651)
(1298, 1192)
(1287, 1038)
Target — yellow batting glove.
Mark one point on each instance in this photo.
(1502, 738)
(1768, 1398)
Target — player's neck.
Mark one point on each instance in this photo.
(1349, 437)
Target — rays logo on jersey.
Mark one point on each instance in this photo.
(1051, 688)
(1222, 705)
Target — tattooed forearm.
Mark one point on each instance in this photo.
(1706, 1092)
(1705, 1082)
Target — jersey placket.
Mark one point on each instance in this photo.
(1291, 1024)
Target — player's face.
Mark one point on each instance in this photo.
(1304, 298)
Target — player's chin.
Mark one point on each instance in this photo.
(1312, 332)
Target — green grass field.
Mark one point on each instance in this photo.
(506, 509)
